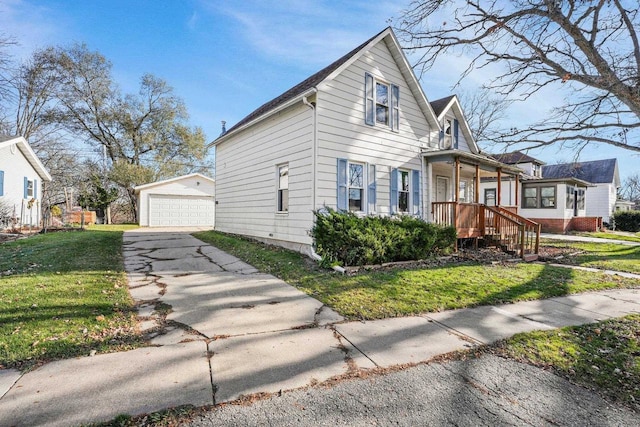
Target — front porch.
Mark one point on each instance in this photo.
(455, 199)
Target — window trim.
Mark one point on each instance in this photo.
(371, 103)
(538, 197)
(280, 191)
(362, 188)
(408, 191)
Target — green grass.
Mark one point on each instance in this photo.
(614, 236)
(605, 355)
(405, 291)
(63, 295)
(606, 256)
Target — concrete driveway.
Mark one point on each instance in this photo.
(261, 333)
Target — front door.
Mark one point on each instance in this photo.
(442, 189)
(490, 196)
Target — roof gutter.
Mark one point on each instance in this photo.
(262, 117)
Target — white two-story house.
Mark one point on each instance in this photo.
(359, 135)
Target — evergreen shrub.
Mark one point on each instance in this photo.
(349, 240)
(627, 221)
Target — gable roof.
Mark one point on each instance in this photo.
(308, 86)
(443, 105)
(515, 158)
(597, 171)
(439, 105)
(138, 188)
(28, 154)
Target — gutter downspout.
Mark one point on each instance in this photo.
(314, 161)
(314, 154)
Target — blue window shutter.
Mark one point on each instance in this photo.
(343, 201)
(455, 133)
(35, 188)
(395, 108)
(1, 183)
(441, 138)
(26, 186)
(415, 181)
(371, 196)
(394, 191)
(369, 100)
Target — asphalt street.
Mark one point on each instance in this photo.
(489, 391)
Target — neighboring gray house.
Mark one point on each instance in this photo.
(603, 174)
(359, 135)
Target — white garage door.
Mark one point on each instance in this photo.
(180, 211)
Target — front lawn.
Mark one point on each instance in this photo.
(62, 295)
(406, 291)
(603, 355)
(607, 256)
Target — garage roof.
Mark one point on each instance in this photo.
(167, 181)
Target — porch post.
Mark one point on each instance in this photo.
(477, 185)
(499, 191)
(517, 203)
(429, 191)
(456, 188)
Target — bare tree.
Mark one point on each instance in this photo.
(587, 48)
(630, 189)
(484, 110)
(145, 136)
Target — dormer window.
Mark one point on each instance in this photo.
(537, 170)
(382, 103)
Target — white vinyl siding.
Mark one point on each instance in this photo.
(20, 184)
(245, 184)
(342, 133)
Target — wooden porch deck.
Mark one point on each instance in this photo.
(497, 226)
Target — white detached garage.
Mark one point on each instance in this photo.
(185, 201)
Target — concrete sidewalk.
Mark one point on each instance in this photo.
(572, 238)
(234, 331)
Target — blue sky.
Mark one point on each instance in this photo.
(226, 58)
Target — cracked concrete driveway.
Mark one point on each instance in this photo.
(262, 334)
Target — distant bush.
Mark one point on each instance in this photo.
(627, 221)
(347, 239)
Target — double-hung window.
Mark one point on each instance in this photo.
(539, 197)
(356, 184)
(382, 103)
(356, 187)
(405, 191)
(283, 188)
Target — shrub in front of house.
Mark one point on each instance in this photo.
(350, 240)
(627, 221)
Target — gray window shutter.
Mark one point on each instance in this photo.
(369, 100)
(1, 183)
(343, 201)
(415, 182)
(394, 191)
(371, 196)
(441, 138)
(395, 108)
(26, 185)
(455, 133)
(35, 188)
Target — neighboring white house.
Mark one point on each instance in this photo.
(187, 200)
(359, 135)
(603, 174)
(624, 205)
(22, 176)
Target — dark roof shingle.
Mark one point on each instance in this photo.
(439, 104)
(597, 171)
(515, 158)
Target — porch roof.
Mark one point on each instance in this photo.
(475, 159)
(574, 181)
